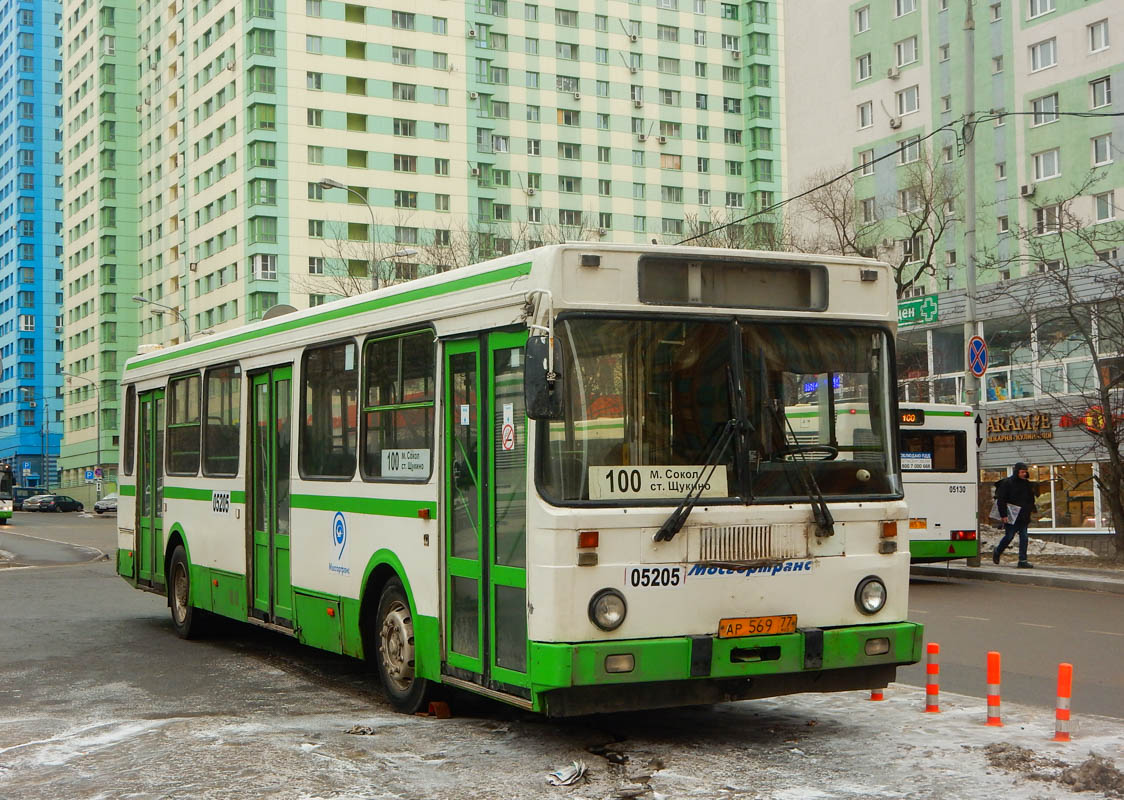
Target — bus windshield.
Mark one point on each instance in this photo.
(647, 399)
(6, 484)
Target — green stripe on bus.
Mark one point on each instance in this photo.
(470, 282)
(126, 489)
(184, 493)
(377, 506)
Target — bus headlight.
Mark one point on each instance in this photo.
(607, 609)
(870, 595)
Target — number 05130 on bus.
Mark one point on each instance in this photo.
(567, 479)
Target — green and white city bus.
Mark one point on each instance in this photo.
(563, 479)
(7, 485)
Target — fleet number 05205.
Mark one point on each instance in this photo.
(644, 577)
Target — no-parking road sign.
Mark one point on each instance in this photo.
(977, 356)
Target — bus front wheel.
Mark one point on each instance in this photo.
(187, 619)
(395, 652)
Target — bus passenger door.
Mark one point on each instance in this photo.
(270, 574)
(485, 500)
(507, 512)
(464, 542)
(150, 489)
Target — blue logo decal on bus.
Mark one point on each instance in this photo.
(703, 571)
(339, 544)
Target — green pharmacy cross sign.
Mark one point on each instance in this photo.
(919, 311)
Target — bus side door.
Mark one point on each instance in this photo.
(150, 489)
(485, 511)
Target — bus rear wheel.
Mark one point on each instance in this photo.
(395, 652)
(187, 620)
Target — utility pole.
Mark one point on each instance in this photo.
(971, 382)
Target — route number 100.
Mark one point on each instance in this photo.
(623, 481)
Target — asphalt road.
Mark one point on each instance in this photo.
(1034, 628)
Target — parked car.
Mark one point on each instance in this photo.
(107, 503)
(21, 493)
(32, 503)
(57, 502)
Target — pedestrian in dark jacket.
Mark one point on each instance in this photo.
(1018, 491)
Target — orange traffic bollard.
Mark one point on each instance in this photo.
(993, 689)
(933, 673)
(1065, 692)
(876, 694)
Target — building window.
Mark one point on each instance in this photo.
(866, 115)
(1098, 36)
(903, 7)
(1043, 55)
(1036, 8)
(1102, 150)
(1104, 206)
(1046, 165)
(910, 150)
(1047, 219)
(1101, 92)
(1045, 109)
(908, 100)
(868, 210)
(866, 160)
(1002, 224)
(1000, 170)
(862, 19)
(863, 68)
(906, 51)
(403, 20)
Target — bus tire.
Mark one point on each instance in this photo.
(187, 620)
(394, 650)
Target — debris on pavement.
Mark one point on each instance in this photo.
(567, 776)
(1096, 774)
(361, 730)
(609, 752)
(630, 791)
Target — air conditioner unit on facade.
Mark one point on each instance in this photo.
(475, 171)
(637, 103)
(633, 70)
(1026, 190)
(471, 33)
(662, 140)
(893, 73)
(895, 122)
(643, 137)
(736, 54)
(577, 95)
(632, 37)
(601, 231)
(530, 191)
(230, 66)
(474, 95)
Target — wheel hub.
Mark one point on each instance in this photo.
(179, 593)
(396, 638)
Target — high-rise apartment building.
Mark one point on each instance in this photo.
(31, 399)
(891, 75)
(256, 153)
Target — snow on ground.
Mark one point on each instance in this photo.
(989, 537)
(834, 747)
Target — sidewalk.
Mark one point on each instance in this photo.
(1088, 579)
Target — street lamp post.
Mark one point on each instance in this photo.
(97, 397)
(186, 333)
(329, 183)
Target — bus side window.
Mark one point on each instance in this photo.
(222, 396)
(330, 377)
(130, 430)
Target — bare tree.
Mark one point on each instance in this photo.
(734, 229)
(1074, 299)
(906, 228)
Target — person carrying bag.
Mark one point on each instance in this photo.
(1014, 504)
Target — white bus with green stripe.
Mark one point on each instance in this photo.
(562, 479)
(939, 469)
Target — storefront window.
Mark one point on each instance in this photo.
(1022, 383)
(1008, 340)
(997, 388)
(1053, 380)
(1080, 376)
(1073, 491)
(1110, 331)
(948, 350)
(946, 390)
(913, 356)
(1040, 477)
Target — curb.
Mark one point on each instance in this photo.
(1035, 577)
(97, 554)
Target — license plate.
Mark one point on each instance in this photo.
(919, 522)
(756, 626)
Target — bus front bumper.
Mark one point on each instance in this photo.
(941, 550)
(574, 679)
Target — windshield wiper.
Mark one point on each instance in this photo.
(825, 523)
(674, 523)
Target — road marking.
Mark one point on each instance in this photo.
(917, 611)
(1106, 633)
(977, 619)
(1035, 625)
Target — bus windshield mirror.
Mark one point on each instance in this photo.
(674, 523)
(543, 388)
